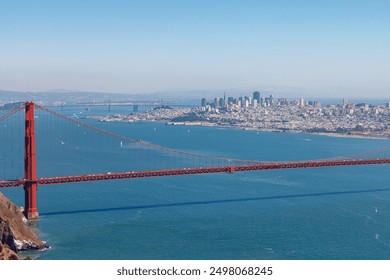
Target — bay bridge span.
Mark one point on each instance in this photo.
(66, 150)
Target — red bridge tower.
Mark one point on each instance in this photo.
(30, 166)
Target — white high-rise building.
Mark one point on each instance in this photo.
(254, 102)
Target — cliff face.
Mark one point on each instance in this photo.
(6, 253)
(15, 235)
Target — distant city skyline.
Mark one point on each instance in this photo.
(296, 48)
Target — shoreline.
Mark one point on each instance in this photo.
(357, 136)
(328, 134)
(221, 126)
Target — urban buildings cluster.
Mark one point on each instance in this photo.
(270, 114)
(255, 101)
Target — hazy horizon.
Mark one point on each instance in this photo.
(296, 48)
(178, 98)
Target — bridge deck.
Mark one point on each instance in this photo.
(198, 170)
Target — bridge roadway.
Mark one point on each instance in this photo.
(197, 170)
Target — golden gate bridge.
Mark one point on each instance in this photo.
(129, 158)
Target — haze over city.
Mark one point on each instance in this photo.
(300, 48)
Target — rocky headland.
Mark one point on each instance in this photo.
(15, 234)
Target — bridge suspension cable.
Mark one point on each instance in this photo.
(182, 155)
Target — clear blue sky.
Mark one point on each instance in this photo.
(166, 45)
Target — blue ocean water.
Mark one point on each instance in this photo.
(323, 213)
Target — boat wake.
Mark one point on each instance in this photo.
(381, 241)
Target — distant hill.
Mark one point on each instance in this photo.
(57, 97)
